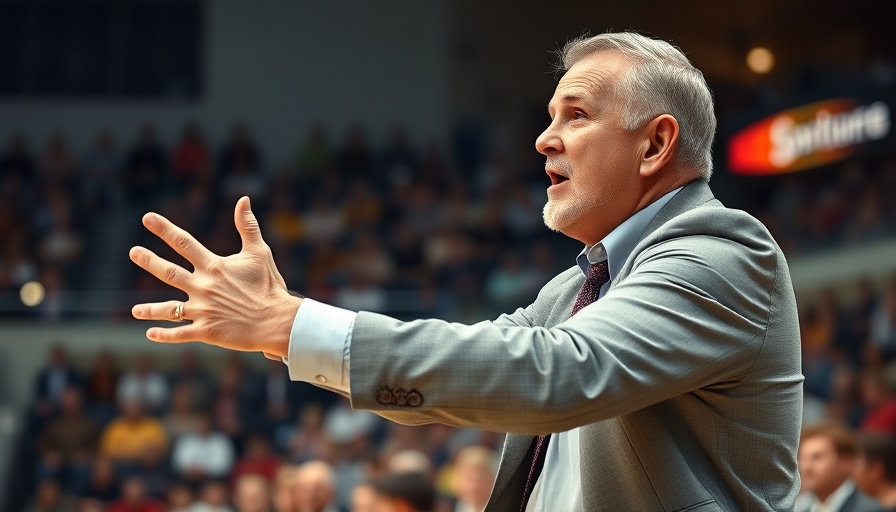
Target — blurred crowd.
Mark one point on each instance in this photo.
(128, 436)
(408, 231)
(393, 227)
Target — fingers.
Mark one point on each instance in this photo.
(159, 311)
(164, 270)
(182, 334)
(178, 239)
(246, 224)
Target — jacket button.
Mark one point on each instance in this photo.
(414, 399)
(384, 396)
(401, 397)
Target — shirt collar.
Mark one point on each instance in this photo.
(837, 499)
(617, 246)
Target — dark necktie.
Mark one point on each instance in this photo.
(598, 275)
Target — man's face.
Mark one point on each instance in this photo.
(593, 162)
(822, 469)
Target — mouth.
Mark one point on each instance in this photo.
(556, 178)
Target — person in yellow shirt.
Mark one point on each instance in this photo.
(127, 437)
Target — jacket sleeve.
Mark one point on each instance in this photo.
(692, 313)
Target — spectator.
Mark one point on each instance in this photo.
(102, 386)
(315, 157)
(58, 164)
(258, 459)
(182, 417)
(315, 487)
(875, 471)
(213, 497)
(355, 160)
(144, 384)
(826, 461)
(252, 493)
(474, 474)
(879, 401)
(229, 408)
(51, 382)
(307, 440)
(883, 328)
(404, 492)
(179, 496)
(239, 148)
(399, 156)
(283, 493)
(203, 454)
(189, 374)
(323, 221)
(16, 160)
(859, 320)
(146, 166)
(190, 161)
(243, 180)
(153, 469)
(101, 183)
(69, 442)
(407, 255)
(102, 488)
(62, 245)
(364, 498)
(135, 499)
(369, 260)
(284, 223)
(511, 282)
(409, 461)
(49, 498)
(17, 265)
(126, 438)
(275, 400)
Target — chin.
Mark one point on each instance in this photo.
(555, 216)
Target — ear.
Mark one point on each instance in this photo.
(661, 139)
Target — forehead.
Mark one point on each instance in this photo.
(591, 75)
(817, 444)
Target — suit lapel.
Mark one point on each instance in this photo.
(516, 446)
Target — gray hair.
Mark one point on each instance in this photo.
(661, 80)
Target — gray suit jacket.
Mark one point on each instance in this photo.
(684, 378)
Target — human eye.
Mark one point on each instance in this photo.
(578, 114)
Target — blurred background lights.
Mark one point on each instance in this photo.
(32, 293)
(760, 60)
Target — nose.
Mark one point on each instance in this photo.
(549, 143)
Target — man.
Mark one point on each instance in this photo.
(127, 437)
(826, 461)
(252, 493)
(875, 470)
(203, 454)
(68, 443)
(474, 475)
(404, 492)
(678, 388)
(315, 487)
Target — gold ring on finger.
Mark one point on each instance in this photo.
(179, 312)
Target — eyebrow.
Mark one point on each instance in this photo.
(571, 98)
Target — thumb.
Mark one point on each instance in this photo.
(246, 224)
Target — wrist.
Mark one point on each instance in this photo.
(282, 318)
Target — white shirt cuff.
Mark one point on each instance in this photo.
(319, 345)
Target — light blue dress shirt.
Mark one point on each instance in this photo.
(320, 343)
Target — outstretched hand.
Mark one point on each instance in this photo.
(239, 302)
